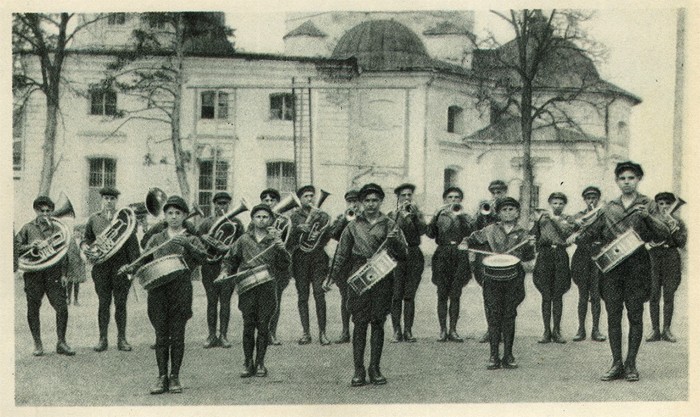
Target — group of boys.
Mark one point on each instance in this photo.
(363, 230)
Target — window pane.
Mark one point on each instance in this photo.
(95, 179)
(288, 106)
(223, 106)
(207, 105)
(17, 155)
(110, 103)
(205, 175)
(276, 103)
(96, 102)
(110, 175)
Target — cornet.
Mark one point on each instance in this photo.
(350, 214)
(485, 208)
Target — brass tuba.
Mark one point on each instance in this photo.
(224, 230)
(282, 222)
(318, 221)
(111, 239)
(51, 250)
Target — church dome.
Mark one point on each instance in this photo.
(383, 45)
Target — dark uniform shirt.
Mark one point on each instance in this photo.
(448, 229)
(247, 247)
(412, 225)
(554, 230)
(615, 220)
(361, 239)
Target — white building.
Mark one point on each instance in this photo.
(357, 97)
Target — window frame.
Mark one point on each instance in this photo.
(219, 181)
(105, 179)
(286, 110)
(283, 183)
(455, 119)
(219, 105)
(99, 100)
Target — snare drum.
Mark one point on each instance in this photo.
(501, 267)
(251, 278)
(618, 250)
(378, 267)
(160, 271)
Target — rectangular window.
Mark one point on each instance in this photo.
(102, 172)
(103, 102)
(455, 123)
(282, 106)
(17, 135)
(116, 18)
(281, 176)
(214, 105)
(449, 178)
(211, 180)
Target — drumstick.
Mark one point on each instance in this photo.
(517, 246)
(483, 252)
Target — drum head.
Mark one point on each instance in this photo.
(501, 261)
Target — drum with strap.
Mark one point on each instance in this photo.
(251, 278)
(501, 267)
(376, 268)
(160, 271)
(618, 250)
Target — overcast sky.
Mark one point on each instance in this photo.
(641, 59)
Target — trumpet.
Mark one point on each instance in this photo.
(350, 214)
(485, 208)
(454, 209)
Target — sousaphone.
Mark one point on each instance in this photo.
(55, 247)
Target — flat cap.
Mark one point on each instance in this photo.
(666, 196)
(177, 202)
(452, 190)
(591, 190)
(306, 189)
(352, 195)
(263, 207)
(497, 185)
(109, 191)
(221, 195)
(371, 188)
(272, 193)
(404, 186)
(558, 195)
(629, 166)
(507, 201)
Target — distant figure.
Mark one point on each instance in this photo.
(77, 272)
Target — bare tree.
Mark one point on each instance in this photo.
(153, 70)
(540, 75)
(45, 37)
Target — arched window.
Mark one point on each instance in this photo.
(455, 119)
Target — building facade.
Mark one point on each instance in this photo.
(356, 97)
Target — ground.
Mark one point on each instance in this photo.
(423, 372)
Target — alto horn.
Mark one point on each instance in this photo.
(65, 208)
(155, 200)
(288, 203)
(322, 196)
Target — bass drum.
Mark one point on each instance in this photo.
(160, 271)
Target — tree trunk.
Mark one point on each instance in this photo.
(180, 170)
(47, 167)
(528, 176)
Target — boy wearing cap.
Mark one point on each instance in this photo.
(257, 304)
(49, 281)
(218, 296)
(170, 304)
(270, 197)
(360, 241)
(352, 206)
(108, 284)
(585, 273)
(502, 297)
(498, 189)
(407, 274)
(629, 283)
(451, 271)
(551, 275)
(310, 268)
(665, 269)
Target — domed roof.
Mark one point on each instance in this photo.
(383, 45)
